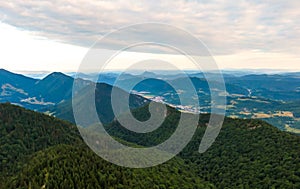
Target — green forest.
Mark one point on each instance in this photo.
(40, 151)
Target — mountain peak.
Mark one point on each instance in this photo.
(3, 70)
(14, 78)
(57, 75)
(148, 74)
(6, 71)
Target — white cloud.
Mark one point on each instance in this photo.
(21, 50)
(226, 26)
(229, 28)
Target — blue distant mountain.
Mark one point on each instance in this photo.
(271, 97)
(53, 94)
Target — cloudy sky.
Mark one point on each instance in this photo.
(56, 35)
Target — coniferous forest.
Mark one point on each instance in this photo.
(127, 94)
(39, 151)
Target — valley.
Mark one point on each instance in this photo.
(189, 94)
(43, 151)
(273, 98)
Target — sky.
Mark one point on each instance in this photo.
(56, 35)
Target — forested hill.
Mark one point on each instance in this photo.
(24, 132)
(248, 153)
(39, 151)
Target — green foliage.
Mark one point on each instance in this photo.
(146, 139)
(247, 153)
(40, 151)
(24, 132)
(66, 166)
(103, 103)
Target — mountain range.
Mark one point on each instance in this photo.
(274, 98)
(53, 94)
(43, 151)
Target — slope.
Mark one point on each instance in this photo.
(40, 151)
(103, 92)
(24, 132)
(246, 154)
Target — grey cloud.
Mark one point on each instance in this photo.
(225, 26)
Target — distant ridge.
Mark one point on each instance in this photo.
(53, 94)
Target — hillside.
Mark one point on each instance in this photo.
(14, 87)
(35, 94)
(102, 97)
(272, 98)
(39, 150)
(66, 166)
(24, 132)
(246, 154)
(55, 87)
(270, 86)
(53, 94)
(17, 80)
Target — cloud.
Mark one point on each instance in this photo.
(227, 27)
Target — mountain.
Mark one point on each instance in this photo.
(276, 87)
(284, 86)
(53, 94)
(55, 87)
(247, 153)
(153, 88)
(103, 103)
(148, 74)
(38, 151)
(160, 87)
(23, 132)
(16, 80)
(15, 87)
(33, 93)
(108, 78)
(270, 97)
(79, 167)
(293, 74)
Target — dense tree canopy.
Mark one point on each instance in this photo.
(40, 151)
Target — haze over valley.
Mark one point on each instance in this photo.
(184, 94)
